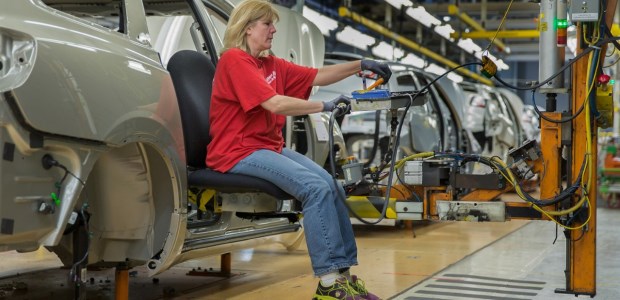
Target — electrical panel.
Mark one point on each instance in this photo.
(584, 10)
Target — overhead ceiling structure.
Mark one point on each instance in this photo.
(439, 27)
(520, 24)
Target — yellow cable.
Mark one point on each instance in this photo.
(564, 226)
(583, 32)
(401, 162)
(513, 181)
(596, 34)
(501, 24)
(589, 162)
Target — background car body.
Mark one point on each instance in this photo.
(500, 118)
(91, 90)
(526, 113)
(435, 126)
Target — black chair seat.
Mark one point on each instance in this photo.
(192, 74)
(234, 183)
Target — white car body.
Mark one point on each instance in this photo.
(85, 83)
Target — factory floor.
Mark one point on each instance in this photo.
(445, 260)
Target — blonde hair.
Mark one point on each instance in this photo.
(243, 16)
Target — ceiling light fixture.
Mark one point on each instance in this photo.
(445, 31)
(413, 60)
(435, 69)
(421, 15)
(399, 3)
(355, 38)
(387, 51)
(324, 23)
(469, 46)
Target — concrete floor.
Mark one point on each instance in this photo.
(444, 261)
(526, 265)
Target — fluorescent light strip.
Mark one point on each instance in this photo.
(435, 69)
(414, 60)
(387, 51)
(324, 23)
(445, 30)
(355, 38)
(469, 46)
(421, 15)
(399, 3)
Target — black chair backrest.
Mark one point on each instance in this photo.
(192, 75)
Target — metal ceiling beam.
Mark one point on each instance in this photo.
(516, 9)
(502, 34)
(512, 23)
(346, 13)
(524, 48)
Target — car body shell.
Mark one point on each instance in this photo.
(84, 82)
(495, 117)
(526, 114)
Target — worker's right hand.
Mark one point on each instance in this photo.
(341, 102)
(380, 68)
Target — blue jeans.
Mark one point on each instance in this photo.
(328, 230)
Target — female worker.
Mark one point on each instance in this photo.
(253, 92)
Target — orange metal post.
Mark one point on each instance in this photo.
(121, 280)
(226, 263)
(551, 134)
(581, 250)
(225, 268)
(432, 194)
(582, 244)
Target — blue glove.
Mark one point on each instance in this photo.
(380, 68)
(341, 102)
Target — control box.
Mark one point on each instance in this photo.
(384, 99)
(584, 10)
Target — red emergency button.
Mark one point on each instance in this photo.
(604, 78)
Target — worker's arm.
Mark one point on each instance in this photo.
(334, 73)
(289, 106)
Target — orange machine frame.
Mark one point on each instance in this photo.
(581, 246)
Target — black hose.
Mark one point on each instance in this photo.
(614, 42)
(570, 63)
(332, 162)
(342, 197)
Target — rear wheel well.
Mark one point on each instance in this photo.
(130, 197)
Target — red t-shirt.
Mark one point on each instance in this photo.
(239, 124)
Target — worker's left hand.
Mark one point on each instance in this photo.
(380, 68)
(341, 103)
